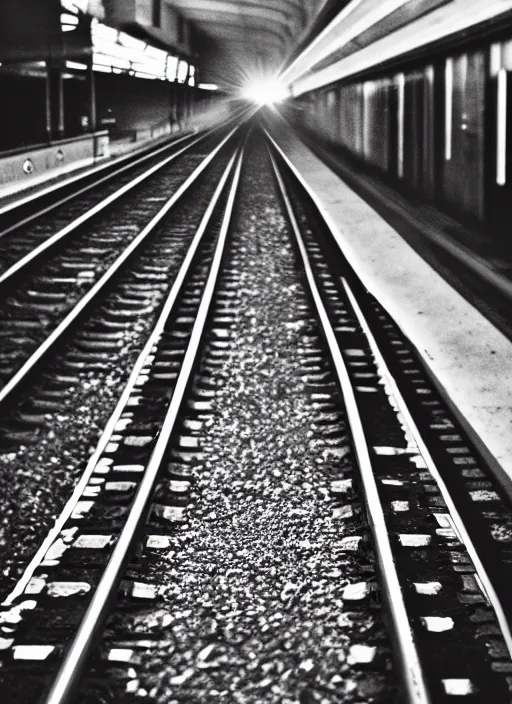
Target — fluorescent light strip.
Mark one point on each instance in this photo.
(172, 68)
(155, 53)
(130, 42)
(501, 156)
(103, 60)
(372, 15)
(358, 132)
(453, 17)
(119, 50)
(66, 18)
(115, 49)
(294, 70)
(182, 71)
(147, 68)
(448, 82)
(495, 60)
(369, 19)
(401, 117)
(366, 127)
(102, 31)
(76, 65)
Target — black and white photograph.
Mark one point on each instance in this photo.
(255, 351)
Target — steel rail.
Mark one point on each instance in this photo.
(63, 687)
(133, 162)
(84, 302)
(85, 217)
(411, 427)
(125, 162)
(412, 673)
(415, 433)
(498, 470)
(109, 428)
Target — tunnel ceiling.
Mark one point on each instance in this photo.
(244, 37)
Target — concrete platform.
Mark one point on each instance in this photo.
(470, 360)
(15, 184)
(49, 173)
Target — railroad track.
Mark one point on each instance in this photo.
(74, 376)
(439, 520)
(48, 289)
(90, 186)
(437, 587)
(29, 230)
(161, 374)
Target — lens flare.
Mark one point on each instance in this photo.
(265, 92)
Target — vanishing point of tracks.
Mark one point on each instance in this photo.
(424, 526)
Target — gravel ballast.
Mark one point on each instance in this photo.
(269, 591)
(41, 464)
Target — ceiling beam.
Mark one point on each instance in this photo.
(279, 20)
(255, 34)
(292, 7)
(260, 37)
(248, 10)
(226, 27)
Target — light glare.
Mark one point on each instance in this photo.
(265, 92)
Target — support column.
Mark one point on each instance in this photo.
(60, 84)
(48, 92)
(173, 106)
(180, 104)
(56, 99)
(93, 119)
(187, 96)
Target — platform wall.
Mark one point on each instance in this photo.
(29, 166)
(136, 103)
